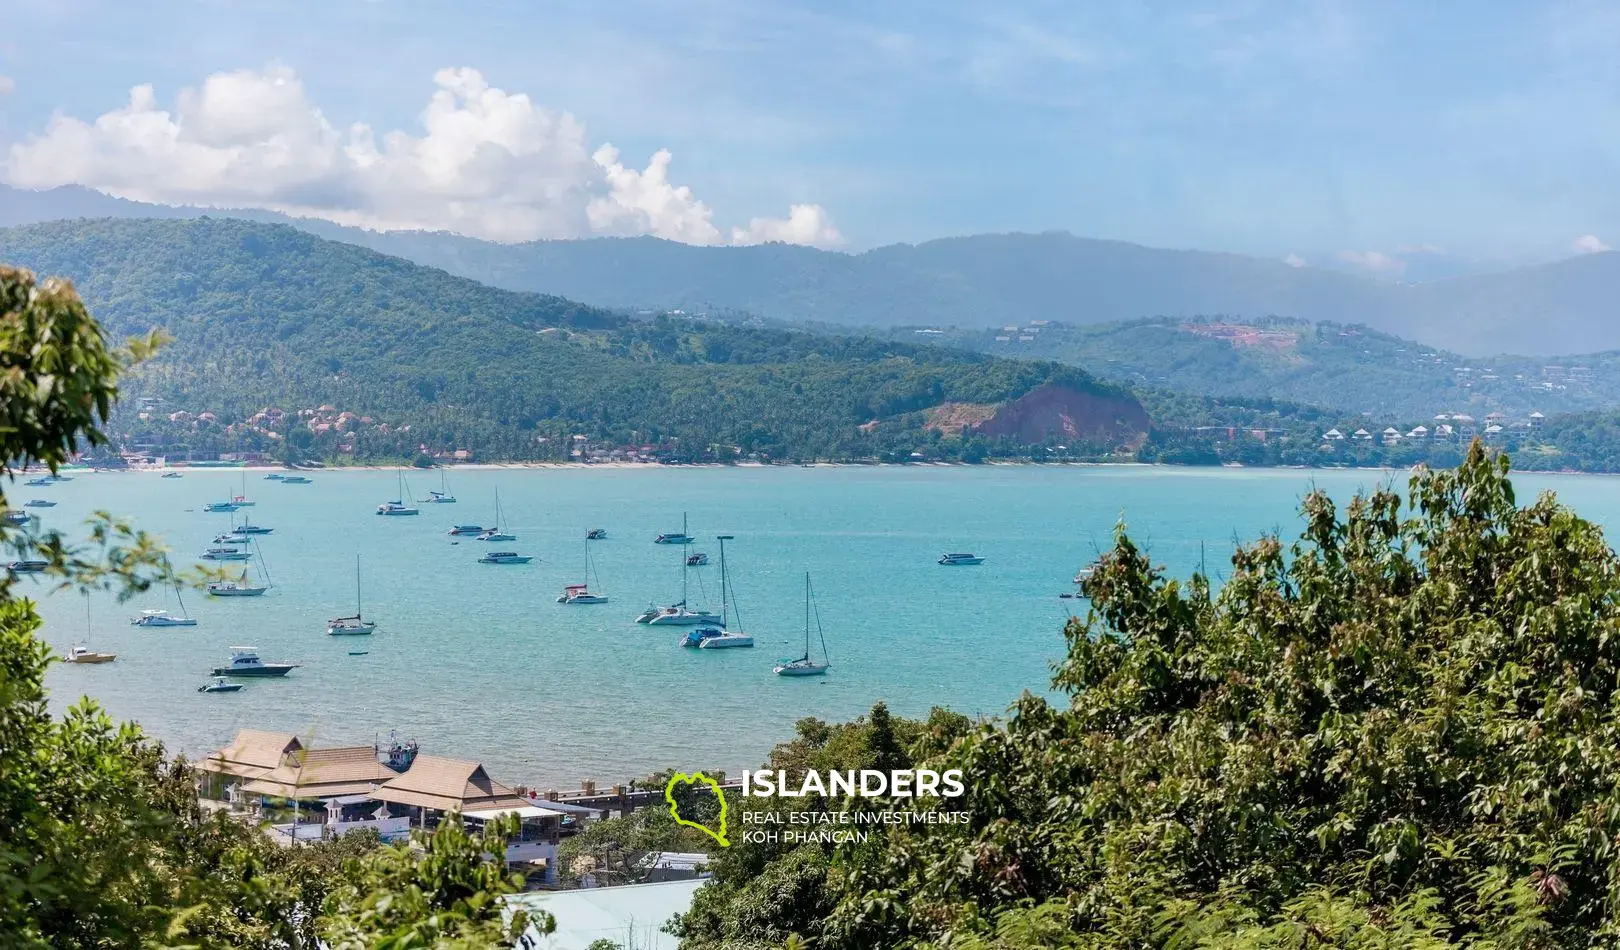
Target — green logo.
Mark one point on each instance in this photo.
(681, 780)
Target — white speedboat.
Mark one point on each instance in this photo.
(226, 554)
(804, 665)
(44, 481)
(355, 626)
(294, 480)
(40, 503)
(228, 539)
(162, 618)
(219, 685)
(247, 528)
(674, 537)
(245, 662)
(466, 529)
(505, 557)
(28, 566)
(219, 506)
(959, 560)
(274, 477)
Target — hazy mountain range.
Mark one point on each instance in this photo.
(981, 281)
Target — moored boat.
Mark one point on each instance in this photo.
(162, 618)
(40, 503)
(464, 529)
(697, 560)
(81, 653)
(17, 518)
(225, 554)
(960, 560)
(172, 475)
(245, 662)
(28, 566)
(726, 638)
(221, 506)
(596, 534)
(505, 557)
(355, 626)
(294, 480)
(803, 665)
(220, 685)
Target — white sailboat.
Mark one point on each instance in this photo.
(679, 614)
(804, 666)
(397, 507)
(162, 618)
(495, 533)
(723, 639)
(355, 626)
(242, 587)
(582, 593)
(442, 496)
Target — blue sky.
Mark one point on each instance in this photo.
(1372, 134)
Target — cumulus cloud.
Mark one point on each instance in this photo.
(486, 162)
(1588, 244)
(1293, 260)
(1376, 261)
(805, 224)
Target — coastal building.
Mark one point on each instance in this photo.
(434, 787)
(312, 778)
(1361, 435)
(254, 752)
(1332, 435)
(1391, 435)
(1536, 419)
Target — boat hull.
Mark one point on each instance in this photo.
(684, 620)
(524, 559)
(351, 630)
(165, 622)
(790, 669)
(237, 591)
(729, 641)
(269, 669)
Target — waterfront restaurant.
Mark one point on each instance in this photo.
(254, 752)
(435, 787)
(322, 778)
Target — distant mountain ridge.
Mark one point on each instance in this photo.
(982, 281)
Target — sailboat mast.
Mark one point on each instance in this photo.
(725, 599)
(357, 587)
(685, 567)
(807, 615)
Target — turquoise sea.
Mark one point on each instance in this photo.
(480, 662)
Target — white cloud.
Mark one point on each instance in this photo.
(1420, 249)
(7, 85)
(1293, 260)
(805, 224)
(486, 162)
(1588, 244)
(1376, 261)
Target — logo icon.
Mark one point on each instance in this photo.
(680, 780)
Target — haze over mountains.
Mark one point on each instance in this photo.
(981, 281)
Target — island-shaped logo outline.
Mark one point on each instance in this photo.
(681, 778)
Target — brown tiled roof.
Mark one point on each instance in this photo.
(448, 785)
(323, 773)
(252, 753)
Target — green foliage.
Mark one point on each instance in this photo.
(1398, 731)
(263, 315)
(611, 851)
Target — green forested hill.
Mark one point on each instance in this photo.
(264, 315)
(1348, 368)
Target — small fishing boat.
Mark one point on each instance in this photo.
(219, 685)
(726, 639)
(83, 654)
(28, 566)
(463, 529)
(172, 475)
(596, 534)
(40, 503)
(358, 652)
(505, 557)
(294, 480)
(804, 666)
(226, 554)
(960, 560)
(245, 662)
(355, 626)
(697, 560)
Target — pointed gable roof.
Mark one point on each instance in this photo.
(252, 753)
(448, 785)
(323, 773)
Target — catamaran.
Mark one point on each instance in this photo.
(581, 593)
(726, 639)
(162, 618)
(397, 506)
(442, 496)
(679, 614)
(355, 626)
(495, 533)
(804, 666)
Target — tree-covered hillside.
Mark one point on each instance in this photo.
(1337, 366)
(266, 316)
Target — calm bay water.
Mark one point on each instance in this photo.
(478, 661)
